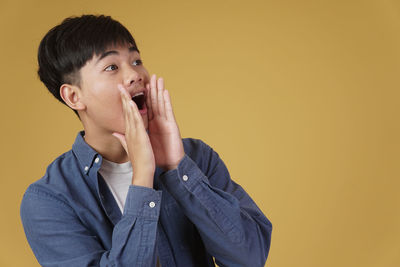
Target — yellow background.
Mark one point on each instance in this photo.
(299, 98)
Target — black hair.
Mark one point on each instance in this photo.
(66, 48)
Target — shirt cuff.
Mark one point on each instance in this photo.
(142, 201)
(184, 178)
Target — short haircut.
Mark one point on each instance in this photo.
(66, 48)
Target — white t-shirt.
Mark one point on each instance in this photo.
(118, 177)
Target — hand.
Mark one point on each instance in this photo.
(136, 142)
(164, 133)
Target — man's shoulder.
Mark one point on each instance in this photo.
(195, 147)
(200, 152)
(192, 143)
(62, 168)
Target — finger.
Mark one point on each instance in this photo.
(148, 102)
(123, 101)
(137, 120)
(135, 125)
(125, 109)
(123, 90)
(160, 96)
(128, 114)
(153, 88)
(168, 107)
(133, 117)
(135, 112)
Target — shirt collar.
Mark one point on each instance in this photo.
(84, 153)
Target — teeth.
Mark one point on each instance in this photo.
(141, 93)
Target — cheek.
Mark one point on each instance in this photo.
(105, 101)
(146, 77)
(111, 115)
(106, 92)
(114, 104)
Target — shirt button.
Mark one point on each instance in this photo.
(185, 177)
(97, 160)
(152, 204)
(86, 168)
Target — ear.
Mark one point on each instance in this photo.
(72, 96)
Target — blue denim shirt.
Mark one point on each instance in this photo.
(194, 213)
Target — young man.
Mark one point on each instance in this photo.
(131, 191)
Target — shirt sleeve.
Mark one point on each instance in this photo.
(59, 238)
(234, 230)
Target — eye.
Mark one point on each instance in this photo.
(139, 62)
(108, 68)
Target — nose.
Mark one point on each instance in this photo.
(132, 77)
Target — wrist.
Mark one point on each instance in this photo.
(145, 180)
(173, 166)
(170, 167)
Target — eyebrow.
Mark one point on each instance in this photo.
(113, 52)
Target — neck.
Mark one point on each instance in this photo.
(106, 145)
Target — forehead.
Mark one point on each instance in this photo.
(113, 49)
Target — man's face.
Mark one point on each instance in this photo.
(99, 79)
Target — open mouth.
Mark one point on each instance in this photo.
(139, 100)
